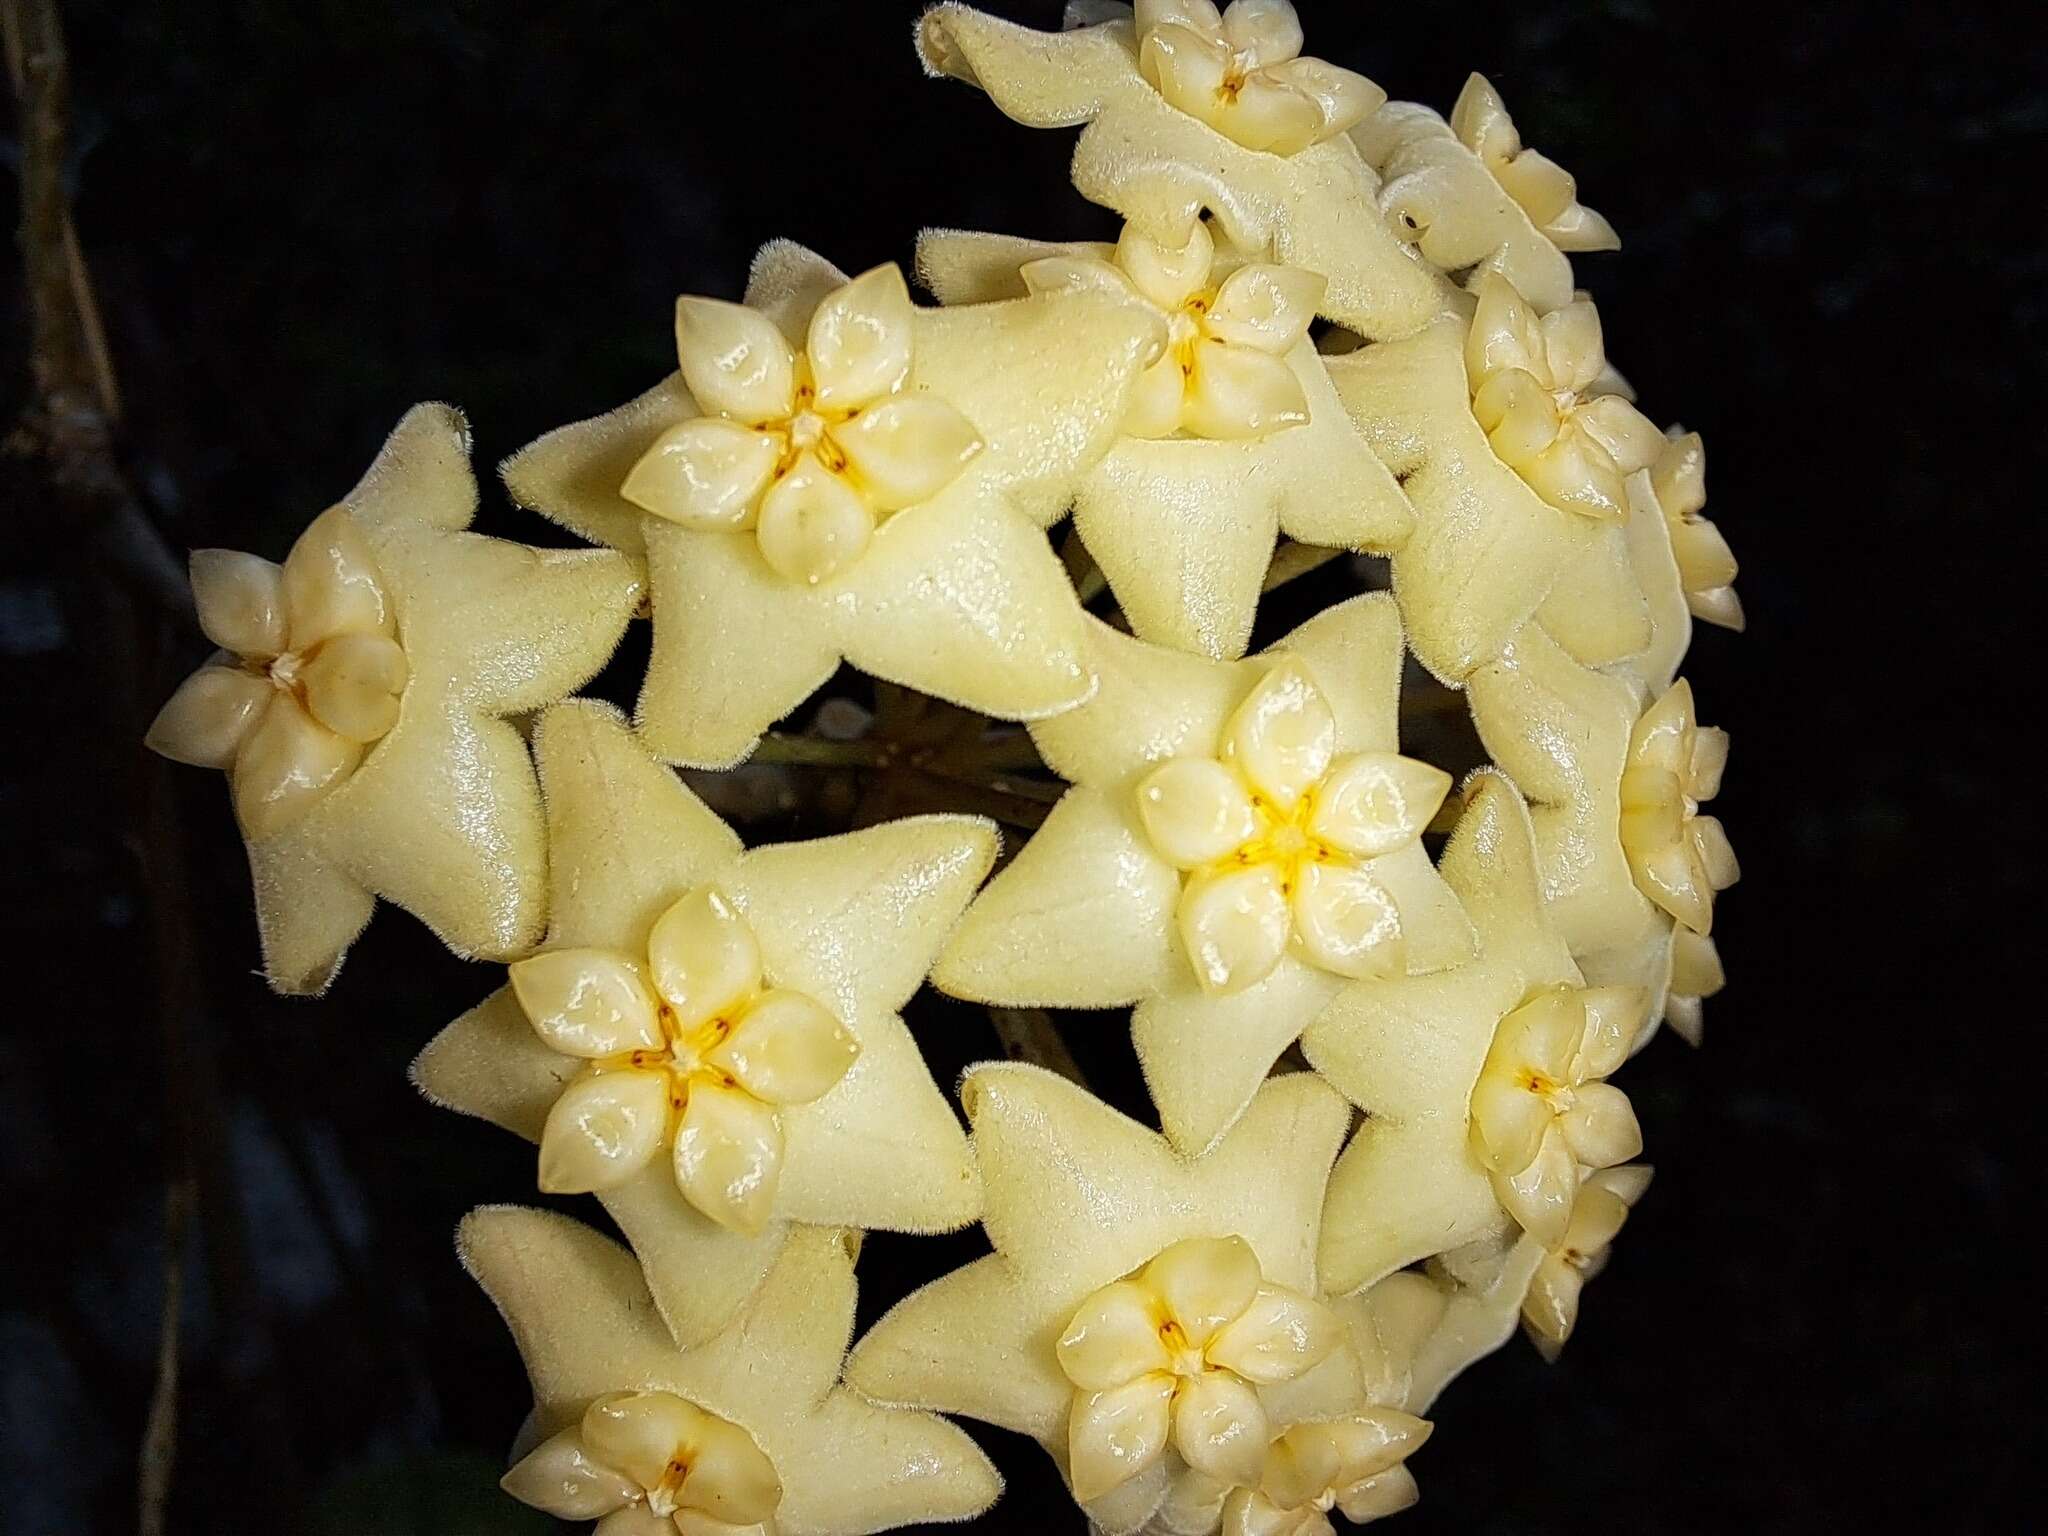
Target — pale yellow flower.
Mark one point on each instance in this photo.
(1680, 858)
(1615, 784)
(1241, 838)
(809, 449)
(1706, 565)
(1241, 71)
(765, 508)
(1487, 549)
(760, 989)
(357, 705)
(1542, 188)
(1160, 154)
(745, 1432)
(1550, 1309)
(1471, 200)
(1235, 436)
(1540, 393)
(1481, 1085)
(1145, 1316)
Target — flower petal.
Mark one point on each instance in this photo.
(1550, 1306)
(703, 957)
(240, 598)
(787, 1049)
(1373, 803)
(1236, 392)
(1508, 1122)
(588, 1003)
(860, 339)
(1234, 925)
(1346, 921)
(1204, 1283)
(353, 683)
(729, 1479)
(1157, 401)
(1198, 15)
(813, 525)
(331, 584)
(1709, 762)
(641, 1433)
(1374, 1441)
(205, 722)
(1344, 97)
(287, 762)
(1281, 738)
(1264, 307)
(1277, 1338)
(1543, 1034)
(1114, 1338)
(1385, 1493)
(1518, 416)
(604, 1128)
(706, 473)
(734, 360)
(907, 450)
(1716, 854)
(1600, 1127)
(1249, 1512)
(1540, 1196)
(1219, 1427)
(1696, 969)
(1272, 113)
(728, 1155)
(634, 1520)
(1195, 811)
(1268, 31)
(1615, 1017)
(1115, 1434)
(1186, 67)
(1169, 277)
(1504, 333)
(1667, 735)
(560, 1476)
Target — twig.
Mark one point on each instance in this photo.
(961, 780)
(160, 1430)
(1028, 1035)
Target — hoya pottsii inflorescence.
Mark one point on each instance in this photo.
(1236, 1323)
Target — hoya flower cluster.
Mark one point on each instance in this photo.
(1384, 1018)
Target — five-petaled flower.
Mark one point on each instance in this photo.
(1174, 1353)
(309, 675)
(1541, 1109)
(1680, 858)
(1241, 72)
(1706, 565)
(1550, 1307)
(647, 1462)
(1542, 393)
(1276, 834)
(689, 1051)
(1355, 1465)
(809, 450)
(1544, 189)
(1224, 373)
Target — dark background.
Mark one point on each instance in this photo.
(304, 215)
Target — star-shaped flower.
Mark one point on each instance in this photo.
(1572, 737)
(1356, 1465)
(1500, 519)
(1535, 382)
(773, 1083)
(356, 703)
(1241, 837)
(838, 500)
(1144, 153)
(746, 1433)
(1480, 1084)
(1550, 1308)
(1234, 436)
(1144, 1316)
(1416, 1330)
(1706, 565)
(1472, 199)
